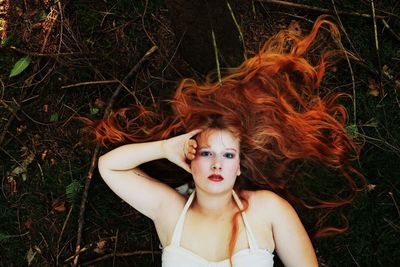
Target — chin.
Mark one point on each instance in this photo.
(215, 188)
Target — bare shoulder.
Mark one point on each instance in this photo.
(265, 198)
(168, 215)
(268, 204)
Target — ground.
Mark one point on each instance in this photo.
(77, 54)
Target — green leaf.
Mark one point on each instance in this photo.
(41, 16)
(54, 117)
(72, 190)
(352, 130)
(94, 111)
(20, 66)
(6, 41)
(3, 236)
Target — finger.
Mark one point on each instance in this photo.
(190, 156)
(193, 143)
(194, 132)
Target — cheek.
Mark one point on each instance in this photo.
(199, 164)
(232, 166)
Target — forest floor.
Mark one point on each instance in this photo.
(63, 59)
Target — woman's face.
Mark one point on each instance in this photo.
(217, 162)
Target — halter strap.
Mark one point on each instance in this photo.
(250, 236)
(176, 236)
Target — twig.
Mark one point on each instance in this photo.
(96, 152)
(321, 10)
(61, 234)
(377, 47)
(348, 63)
(35, 54)
(352, 256)
(90, 83)
(395, 203)
(392, 224)
(390, 30)
(115, 247)
(125, 254)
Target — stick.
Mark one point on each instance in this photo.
(390, 29)
(35, 54)
(313, 8)
(61, 234)
(96, 152)
(378, 57)
(348, 63)
(90, 83)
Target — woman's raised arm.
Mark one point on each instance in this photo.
(119, 169)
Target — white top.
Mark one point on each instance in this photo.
(174, 255)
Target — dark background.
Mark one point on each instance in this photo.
(79, 52)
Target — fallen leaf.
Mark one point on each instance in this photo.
(21, 129)
(371, 187)
(28, 223)
(99, 103)
(20, 66)
(58, 205)
(373, 87)
(295, 28)
(100, 247)
(22, 168)
(44, 154)
(30, 255)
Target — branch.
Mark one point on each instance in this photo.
(96, 153)
(318, 9)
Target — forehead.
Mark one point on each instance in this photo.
(211, 137)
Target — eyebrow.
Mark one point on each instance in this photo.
(203, 147)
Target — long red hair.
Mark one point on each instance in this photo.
(274, 102)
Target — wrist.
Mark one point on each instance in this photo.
(163, 148)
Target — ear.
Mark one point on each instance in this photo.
(238, 173)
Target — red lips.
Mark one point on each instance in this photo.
(215, 178)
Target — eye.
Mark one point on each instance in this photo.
(229, 155)
(205, 153)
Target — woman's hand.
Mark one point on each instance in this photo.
(179, 148)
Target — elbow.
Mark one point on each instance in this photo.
(102, 164)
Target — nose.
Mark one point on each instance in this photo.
(216, 166)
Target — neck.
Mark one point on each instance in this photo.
(214, 205)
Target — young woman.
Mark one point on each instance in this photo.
(239, 138)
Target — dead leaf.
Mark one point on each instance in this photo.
(295, 28)
(30, 255)
(44, 154)
(21, 129)
(28, 223)
(373, 87)
(58, 205)
(22, 169)
(53, 162)
(99, 103)
(371, 187)
(45, 108)
(100, 247)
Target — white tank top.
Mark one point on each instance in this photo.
(174, 255)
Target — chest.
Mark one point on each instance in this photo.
(210, 239)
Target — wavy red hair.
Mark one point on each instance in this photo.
(273, 102)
